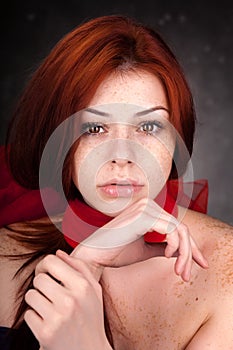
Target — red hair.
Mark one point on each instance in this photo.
(69, 76)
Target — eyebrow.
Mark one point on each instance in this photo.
(147, 111)
(95, 111)
(138, 114)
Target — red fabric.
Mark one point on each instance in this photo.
(80, 220)
(19, 204)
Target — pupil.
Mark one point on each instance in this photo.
(94, 129)
(148, 127)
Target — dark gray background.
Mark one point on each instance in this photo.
(200, 34)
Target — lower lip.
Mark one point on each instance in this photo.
(124, 191)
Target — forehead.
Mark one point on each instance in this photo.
(134, 87)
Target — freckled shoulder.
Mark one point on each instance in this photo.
(222, 256)
(215, 239)
(6, 246)
(9, 245)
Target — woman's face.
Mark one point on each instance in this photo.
(127, 143)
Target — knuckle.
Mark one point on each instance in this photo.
(173, 241)
(70, 303)
(183, 228)
(48, 260)
(38, 279)
(44, 263)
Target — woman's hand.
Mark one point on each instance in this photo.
(66, 306)
(120, 242)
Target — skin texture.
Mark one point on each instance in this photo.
(145, 300)
(147, 304)
(175, 314)
(135, 89)
(145, 90)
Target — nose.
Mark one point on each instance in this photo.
(121, 162)
(121, 152)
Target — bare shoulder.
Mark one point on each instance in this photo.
(207, 230)
(215, 238)
(8, 245)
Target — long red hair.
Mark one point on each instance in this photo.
(68, 78)
(65, 83)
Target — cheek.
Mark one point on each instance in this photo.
(80, 154)
(92, 162)
(75, 170)
(162, 151)
(83, 159)
(165, 162)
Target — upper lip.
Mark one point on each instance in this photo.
(126, 181)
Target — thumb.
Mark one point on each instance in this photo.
(91, 270)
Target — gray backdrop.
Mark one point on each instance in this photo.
(199, 32)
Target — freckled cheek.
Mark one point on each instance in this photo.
(80, 154)
(85, 147)
(162, 151)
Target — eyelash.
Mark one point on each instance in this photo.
(153, 123)
(87, 126)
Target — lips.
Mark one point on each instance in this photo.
(121, 188)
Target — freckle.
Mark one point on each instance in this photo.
(180, 283)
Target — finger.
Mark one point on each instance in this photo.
(163, 226)
(164, 215)
(186, 273)
(50, 288)
(38, 303)
(61, 271)
(173, 243)
(179, 239)
(184, 262)
(87, 268)
(34, 321)
(197, 254)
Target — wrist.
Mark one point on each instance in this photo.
(88, 255)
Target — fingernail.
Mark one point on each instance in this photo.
(205, 262)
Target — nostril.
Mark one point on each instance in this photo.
(121, 161)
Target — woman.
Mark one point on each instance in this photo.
(134, 103)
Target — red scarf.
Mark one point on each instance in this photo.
(18, 204)
(80, 220)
